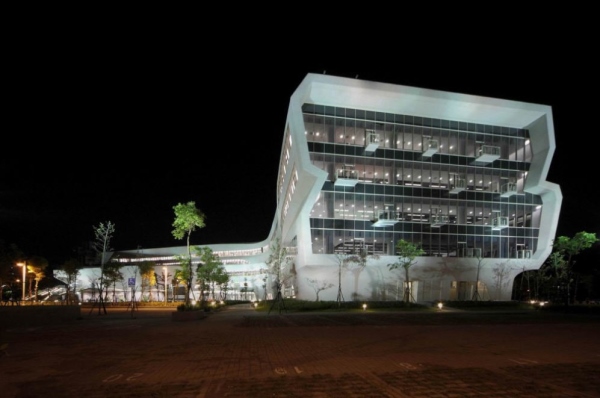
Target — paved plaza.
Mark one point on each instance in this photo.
(240, 353)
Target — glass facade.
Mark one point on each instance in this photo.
(454, 188)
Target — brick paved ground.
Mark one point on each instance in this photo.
(241, 353)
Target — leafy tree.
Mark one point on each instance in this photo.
(224, 286)
(221, 279)
(152, 282)
(103, 234)
(562, 259)
(210, 272)
(407, 252)
(146, 269)
(555, 275)
(36, 266)
(112, 275)
(71, 268)
(187, 219)
(159, 280)
(184, 275)
(181, 275)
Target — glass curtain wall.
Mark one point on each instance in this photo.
(454, 188)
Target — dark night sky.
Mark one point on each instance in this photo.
(124, 135)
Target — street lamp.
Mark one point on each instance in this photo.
(165, 270)
(24, 266)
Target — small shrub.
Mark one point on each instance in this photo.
(188, 307)
(295, 305)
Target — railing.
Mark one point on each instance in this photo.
(508, 189)
(371, 140)
(430, 147)
(346, 174)
(489, 150)
(388, 215)
(460, 184)
(437, 220)
(488, 153)
(386, 218)
(499, 222)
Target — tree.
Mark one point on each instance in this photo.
(146, 269)
(343, 259)
(223, 284)
(210, 272)
(175, 282)
(501, 272)
(103, 234)
(112, 275)
(278, 263)
(407, 252)
(182, 275)
(357, 266)
(476, 296)
(562, 259)
(71, 268)
(318, 287)
(187, 219)
(36, 266)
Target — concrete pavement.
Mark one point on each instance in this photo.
(238, 352)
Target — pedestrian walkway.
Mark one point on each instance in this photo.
(241, 353)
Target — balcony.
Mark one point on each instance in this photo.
(523, 253)
(460, 184)
(430, 147)
(499, 223)
(386, 218)
(346, 178)
(439, 220)
(488, 153)
(508, 189)
(371, 141)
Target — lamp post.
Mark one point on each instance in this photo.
(165, 270)
(24, 266)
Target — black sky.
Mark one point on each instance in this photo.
(123, 136)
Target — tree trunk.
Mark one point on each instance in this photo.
(407, 290)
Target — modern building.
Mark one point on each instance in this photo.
(366, 164)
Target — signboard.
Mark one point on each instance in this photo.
(130, 281)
